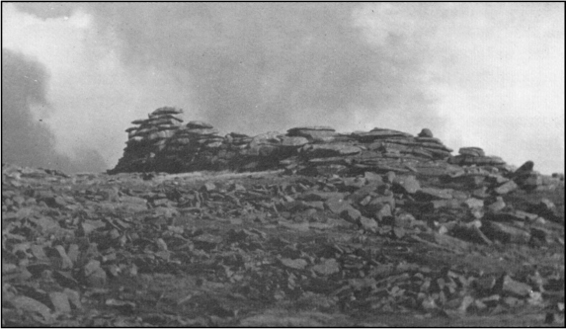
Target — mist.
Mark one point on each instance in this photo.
(257, 67)
(488, 75)
(25, 139)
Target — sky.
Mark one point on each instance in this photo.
(74, 75)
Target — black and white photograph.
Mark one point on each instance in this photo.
(283, 164)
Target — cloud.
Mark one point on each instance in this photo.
(26, 140)
(488, 75)
(257, 67)
(92, 95)
(496, 71)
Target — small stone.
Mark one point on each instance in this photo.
(377, 203)
(27, 304)
(353, 183)
(480, 193)
(525, 216)
(480, 306)
(506, 188)
(61, 302)
(350, 214)
(428, 303)
(379, 133)
(315, 128)
(368, 224)
(383, 213)
(408, 184)
(425, 132)
(399, 232)
(209, 187)
(431, 193)
(297, 264)
(314, 204)
(515, 288)
(471, 232)
(167, 110)
(439, 204)
(372, 177)
(511, 301)
(473, 203)
(199, 125)
(327, 267)
(486, 283)
(73, 297)
(404, 220)
(295, 141)
(472, 151)
(466, 302)
(389, 177)
(95, 275)
(505, 233)
(321, 196)
(497, 206)
(337, 204)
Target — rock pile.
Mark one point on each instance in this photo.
(161, 144)
(147, 138)
(466, 243)
(188, 148)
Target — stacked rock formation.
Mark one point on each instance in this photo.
(161, 143)
(190, 146)
(148, 137)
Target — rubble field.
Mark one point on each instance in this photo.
(307, 228)
(279, 249)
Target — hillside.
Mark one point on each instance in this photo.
(308, 228)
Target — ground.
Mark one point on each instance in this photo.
(270, 249)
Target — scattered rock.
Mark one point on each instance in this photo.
(337, 204)
(431, 193)
(61, 302)
(383, 213)
(505, 232)
(497, 205)
(473, 203)
(404, 220)
(408, 184)
(95, 275)
(350, 214)
(470, 232)
(368, 224)
(327, 267)
(297, 264)
(506, 188)
(275, 237)
(514, 288)
(33, 306)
